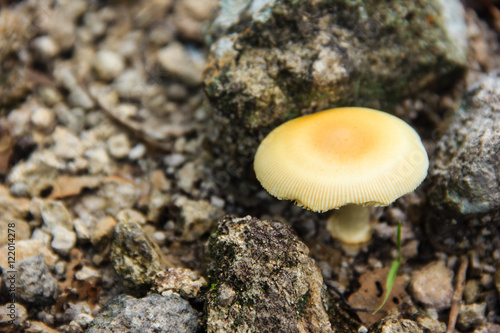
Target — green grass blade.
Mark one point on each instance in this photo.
(393, 272)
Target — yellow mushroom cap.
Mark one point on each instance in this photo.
(341, 156)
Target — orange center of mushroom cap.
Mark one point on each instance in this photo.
(340, 156)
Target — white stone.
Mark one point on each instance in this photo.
(87, 273)
(67, 145)
(176, 60)
(43, 118)
(186, 177)
(130, 84)
(79, 98)
(46, 46)
(42, 236)
(60, 267)
(137, 152)
(98, 159)
(55, 214)
(175, 159)
(118, 145)
(63, 240)
(108, 64)
(82, 231)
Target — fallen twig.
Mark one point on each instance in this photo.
(457, 295)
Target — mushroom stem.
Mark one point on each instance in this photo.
(350, 224)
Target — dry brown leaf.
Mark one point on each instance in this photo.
(66, 186)
(371, 294)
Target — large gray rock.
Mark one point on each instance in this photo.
(277, 59)
(34, 281)
(153, 313)
(464, 173)
(262, 280)
(465, 170)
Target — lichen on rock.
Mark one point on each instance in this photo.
(272, 61)
(262, 280)
(464, 175)
(465, 171)
(135, 257)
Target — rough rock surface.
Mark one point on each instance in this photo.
(466, 169)
(135, 257)
(153, 313)
(262, 280)
(464, 175)
(275, 60)
(38, 285)
(471, 315)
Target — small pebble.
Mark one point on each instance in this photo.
(50, 95)
(39, 234)
(137, 152)
(471, 316)
(55, 214)
(72, 119)
(82, 230)
(217, 201)
(159, 237)
(162, 34)
(108, 65)
(18, 121)
(176, 60)
(471, 291)
(130, 84)
(98, 160)
(186, 177)
(18, 189)
(66, 144)
(174, 160)
(19, 310)
(63, 240)
(46, 46)
(94, 23)
(118, 145)
(60, 267)
(43, 118)
(103, 231)
(487, 281)
(79, 98)
(88, 274)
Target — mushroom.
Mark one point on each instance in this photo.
(345, 158)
